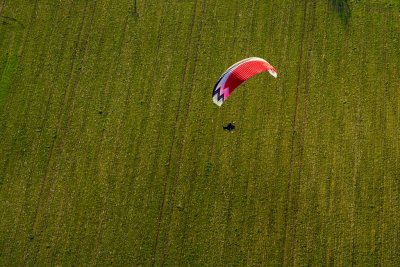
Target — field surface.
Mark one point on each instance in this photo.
(112, 152)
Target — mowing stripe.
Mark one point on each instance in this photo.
(161, 210)
(286, 245)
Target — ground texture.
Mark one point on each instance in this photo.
(112, 152)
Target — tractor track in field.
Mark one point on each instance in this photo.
(280, 130)
(46, 114)
(134, 145)
(23, 108)
(294, 185)
(229, 190)
(157, 156)
(281, 61)
(2, 5)
(211, 156)
(228, 59)
(355, 170)
(185, 119)
(163, 117)
(66, 108)
(304, 124)
(329, 181)
(22, 128)
(197, 165)
(52, 147)
(24, 124)
(249, 194)
(117, 146)
(148, 95)
(214, 133)
(237, 142)
(294, 122)
(35, 150)
(170, 150)
(120, 46)
(380, 214)
(86, 163)
(124, 118)
(73, 227)
(31, 22)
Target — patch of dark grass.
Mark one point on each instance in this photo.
(208, 169)
(7, 77)
(11, 22)
(342, 8)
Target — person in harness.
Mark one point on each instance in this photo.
(230, 127)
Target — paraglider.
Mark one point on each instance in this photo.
(237, 74)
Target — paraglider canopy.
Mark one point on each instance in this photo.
(237, 74)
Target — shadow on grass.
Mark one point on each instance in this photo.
(341, 7)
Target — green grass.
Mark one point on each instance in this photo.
(342, 7)
(7, 77)
(112, 152)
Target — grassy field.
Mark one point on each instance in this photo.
(112, 152)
